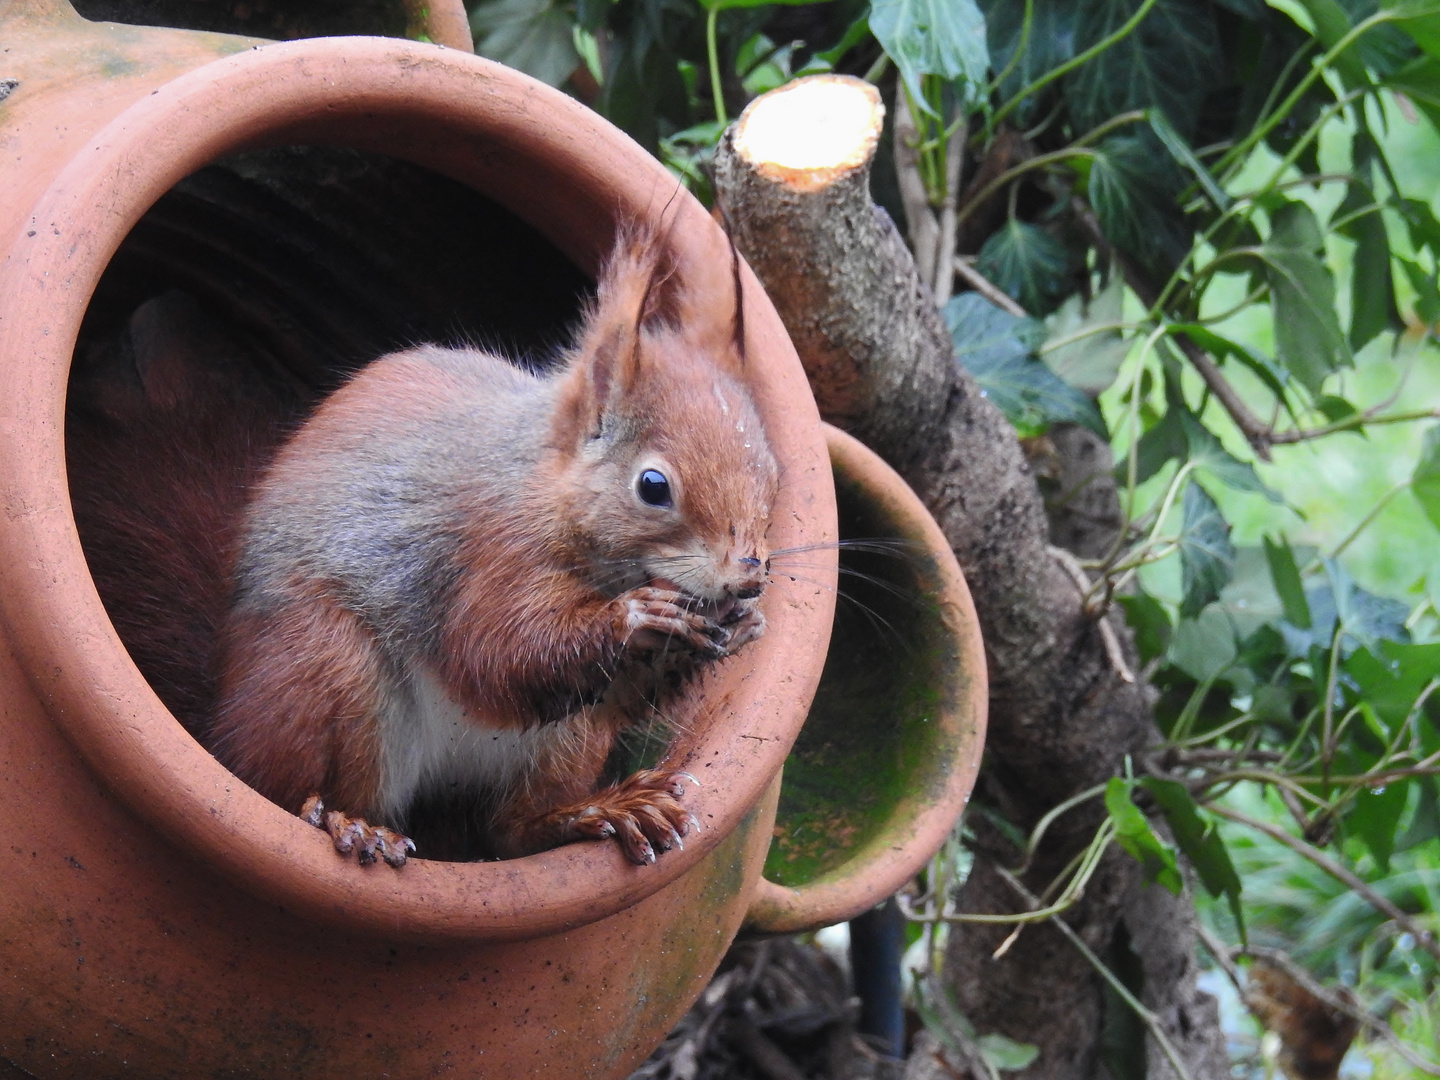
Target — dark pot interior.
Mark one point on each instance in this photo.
(244, 295)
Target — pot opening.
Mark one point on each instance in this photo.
(248, 292)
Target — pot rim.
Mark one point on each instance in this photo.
(571, 175)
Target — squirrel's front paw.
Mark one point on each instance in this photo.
(652, 618)
(643, 813)
(355, 834)
(745, 621)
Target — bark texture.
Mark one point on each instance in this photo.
(1061, 717)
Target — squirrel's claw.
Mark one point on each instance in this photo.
(368, 842)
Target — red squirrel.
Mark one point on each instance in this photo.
(455, 569)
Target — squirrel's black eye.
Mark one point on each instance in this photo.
(653, 488)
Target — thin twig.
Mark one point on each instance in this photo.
(920, 221)
(1369, 418)
(763, 1054)
(1148, 1018)
(1221, 952)
(987, 288)
(1082, 581)
(944, 254)
(1335, 870)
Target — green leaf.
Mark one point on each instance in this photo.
(988, 333)
(1133, 833)
(1207, 558)
(1204, 647)
(1049, 43)
(826, 59)
(1164, 442)
(1089, 363)
(1307, 329)
(1335, 408)
(1201, 842)
(1286, 576)
(1419, 80)
(1425, 480)
(1427, 291)
(1372, 284)
(1005, 1054)
(533, 36)
(1207, 453)
(1367, 618)
(1150, 623)
(1028, 264)
(1170, 61)
(1421, 222)
(1132, 186)
(1186, 159)
(1375, 818)
(1331, 24)
(1420, 20)
(931, 37)
(997, 349)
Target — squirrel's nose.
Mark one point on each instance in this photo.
(752, 587)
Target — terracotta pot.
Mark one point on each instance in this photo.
(158, 918)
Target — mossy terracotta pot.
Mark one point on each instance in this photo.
(159, 918)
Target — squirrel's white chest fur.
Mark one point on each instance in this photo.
(433, 745)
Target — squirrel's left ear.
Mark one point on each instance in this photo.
(714, 321)
(629, 296)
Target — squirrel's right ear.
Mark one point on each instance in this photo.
(629, 296)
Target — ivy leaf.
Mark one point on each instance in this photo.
(1133, 184)
(1089, 363)
(1004, 1054)
(1028, 264)
(1427, 291)
(1150, 622)
(1169, 61)
(1163, 442)
(997, 349)
(1332, 23)
(1392, 676)
(1288, 586)
(1425, 480)
(1204, 647)
(1133, 833)
(1048, 44)
(1201, 842)
(1372, 285)
(533, 36)
(1419, 80)
(931, 37)
(986, 333)
(1421, 222)
(1208, 454)
(1307, 330)
(1186, 159)
(1366, 619)
(1207, 557)
(1419, 20)
(1375, 818)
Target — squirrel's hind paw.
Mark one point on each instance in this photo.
(348, 834)
(643, 813)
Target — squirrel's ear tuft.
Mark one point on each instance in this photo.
(712, 319)
(631, 296)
